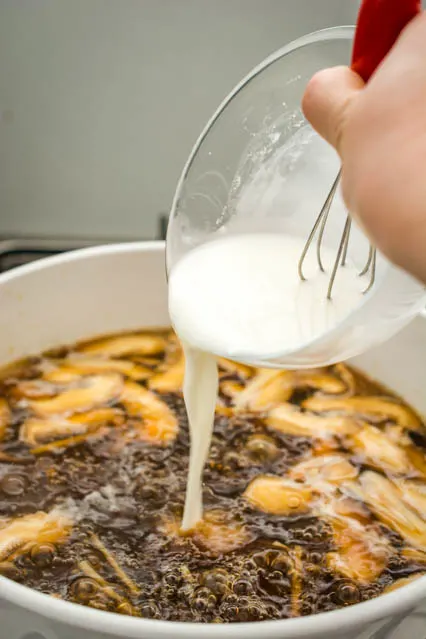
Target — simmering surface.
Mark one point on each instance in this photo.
(314, 490)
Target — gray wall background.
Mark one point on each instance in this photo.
(101, 100)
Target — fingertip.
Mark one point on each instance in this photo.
(317, 85)
(326, 98)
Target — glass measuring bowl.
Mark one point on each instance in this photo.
(259, 167)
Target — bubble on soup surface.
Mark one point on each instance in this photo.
(203, 600)
(217, 580)
(84, 589)
(347, 592)
(262, 448)
(242, 587)
(13, 485)
(150, 610)
(42, 554)
(172, 579)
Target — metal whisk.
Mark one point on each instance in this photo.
(342, 252)
(378, 27)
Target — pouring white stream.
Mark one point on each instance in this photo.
(200, 394)
(241, 297)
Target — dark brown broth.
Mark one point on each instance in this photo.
(125, 496)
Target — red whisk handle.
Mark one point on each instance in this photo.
(379, 24)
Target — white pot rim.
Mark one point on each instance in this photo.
(83, 253)
(78, 616)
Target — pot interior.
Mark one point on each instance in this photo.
(104, 290)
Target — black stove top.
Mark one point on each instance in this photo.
(17, 251)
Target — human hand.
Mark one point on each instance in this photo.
(379, 131)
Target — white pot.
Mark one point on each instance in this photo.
(99, 290)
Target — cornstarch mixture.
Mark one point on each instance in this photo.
(241, 297)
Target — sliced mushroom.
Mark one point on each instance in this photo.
(159, 424)
(324, 469)
(329, 446)
(235, 368)
(96, 391)
(347, 376)
(68, 442)
(413, 494)
(122, 345)
(380, 408)
(361, 553)
(270, 387)
(5, 416)
(224, 411)
(85, 365)
(61, 375)
(19, 535)
(348, 509)
(404, 581)
(113, 416)
(414, 554)
(286, 418)
(384, 499)
(267, 388)
(218, 534)
(34, 389)
(34, 431)
(231, 388)
(278, 496)
(398, 435)
(324, 382)
(374, 447)
(417, 459)
(148, 362)
(14, 370)
(171, 379)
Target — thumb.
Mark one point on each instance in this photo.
(326, 101)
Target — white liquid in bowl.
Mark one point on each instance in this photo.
(241, 297)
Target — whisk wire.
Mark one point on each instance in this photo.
(342, 247)
(373, 272)
(307, 246)
(369, 261)
(321, 219)
(342, 252)
(320, 238)
(345, 248)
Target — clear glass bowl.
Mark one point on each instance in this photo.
(258, 166)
